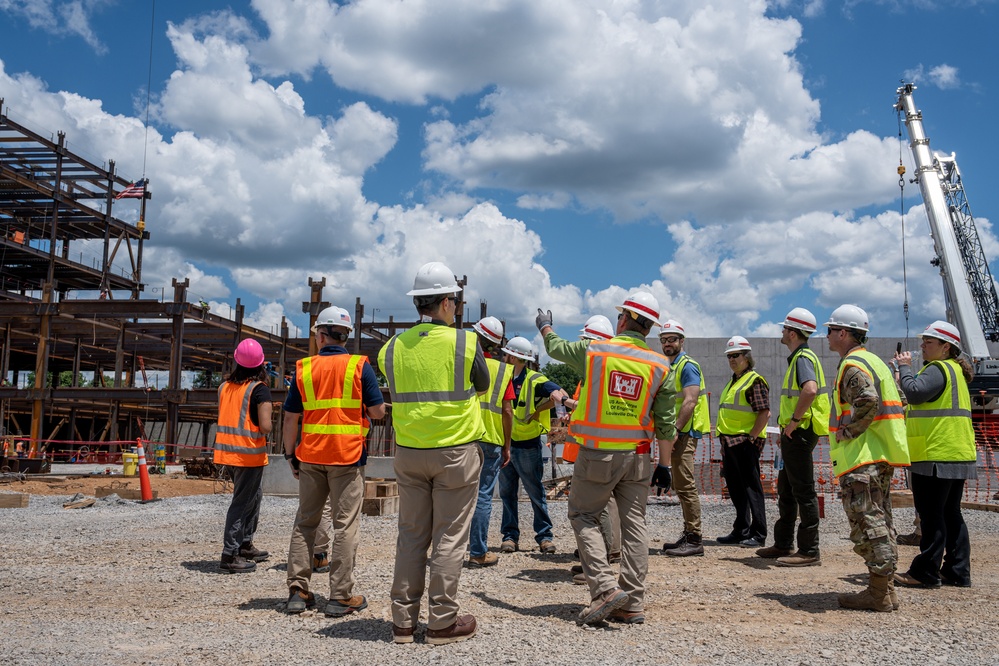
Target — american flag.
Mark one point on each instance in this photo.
(134, 191)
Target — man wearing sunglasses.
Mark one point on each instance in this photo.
(867, 439)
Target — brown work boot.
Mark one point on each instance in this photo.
(236, 564)
(874, 598)
(508, 546)
(341, 607)
(799, 559)
(462, 629)
(547, 547)
(692, 545)
(670, 545)
(320, 563)
(773, 552)
(298, 601)
(627, 617)
(579, 578)
(909, 539)
(402, 634)
(250, 552)
(602, 606)
(484, 560)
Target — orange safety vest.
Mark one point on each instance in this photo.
(333, 424)
(237, 441)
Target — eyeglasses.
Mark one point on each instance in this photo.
(672, 340)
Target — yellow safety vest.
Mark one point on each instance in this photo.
(434, 404)
(524, 428)
(622, 379)
(491, 401)
(700, 420)
(817, 416)
(941, 430)
(237, 441)
(884, 440)
(735, 415)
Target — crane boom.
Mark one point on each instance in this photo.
(969, 291)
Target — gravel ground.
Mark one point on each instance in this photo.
(127, 583)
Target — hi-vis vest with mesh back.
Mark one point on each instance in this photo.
(735, 415)
(434, 404)
(817, 416)
(884, 440)
(491, 401)
(524, 428)
(941, 430)
(333, 421)
(699, 420)
(623, 377)
(237, 441)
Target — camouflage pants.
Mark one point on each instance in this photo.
(867, 502)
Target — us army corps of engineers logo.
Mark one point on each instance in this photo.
(624, 385)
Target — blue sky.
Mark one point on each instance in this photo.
(737, 157)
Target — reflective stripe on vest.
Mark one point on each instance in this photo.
(885, 439)
(614, 412)
(434, 404)
(491, 402)
(237, 441)
(525, 425)
(817, 415)
(941, 430)
(700, 420)
(735, 415)
(333, 421)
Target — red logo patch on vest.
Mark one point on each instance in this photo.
(623, 385)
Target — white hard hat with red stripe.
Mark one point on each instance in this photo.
(800, 319)
(520, 348)
(945, 331)
(672, 326)
(643, 304)
(490, 328)
(597, 327)
(737, 344)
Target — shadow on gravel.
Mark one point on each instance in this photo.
(856, 579)
(557, 558)
(752, 562)
(812, 602)
(361, 629)
(543, 575)
(567, 612)
(205, 566)
(274, 604)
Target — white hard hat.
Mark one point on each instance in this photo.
(942, 330)
(737, 343)
(334, 316)
(520, 348)
(848, 316)
(434, 278)
(490, 328)
(672, 326)
(597, 327)
(643, 304)
(800, 319)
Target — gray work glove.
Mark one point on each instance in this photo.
(543, 319)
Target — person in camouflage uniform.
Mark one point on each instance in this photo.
(866, 441)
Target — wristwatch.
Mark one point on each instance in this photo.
(794, 420)
(289, 456)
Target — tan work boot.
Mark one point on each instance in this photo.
(892, 596)
(484, 560)
(799, 560)
(874, 598)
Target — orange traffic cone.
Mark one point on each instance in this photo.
(147, 489)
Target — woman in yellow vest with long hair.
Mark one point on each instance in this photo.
(942, 450)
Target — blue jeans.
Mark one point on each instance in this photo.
(526, 466)
(492, 457)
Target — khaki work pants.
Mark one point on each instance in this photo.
(625, 476)
(437, 495)
(343, 489)
(684, 485)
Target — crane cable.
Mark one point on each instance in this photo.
(901, 210)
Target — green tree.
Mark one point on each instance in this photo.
(563, 375)
(201, 380)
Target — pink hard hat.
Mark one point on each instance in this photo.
(249, 354)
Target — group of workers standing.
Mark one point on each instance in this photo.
(469, 412)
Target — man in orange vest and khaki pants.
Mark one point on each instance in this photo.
(625, 402)
(333, 395)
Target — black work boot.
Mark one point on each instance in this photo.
(691, 546)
